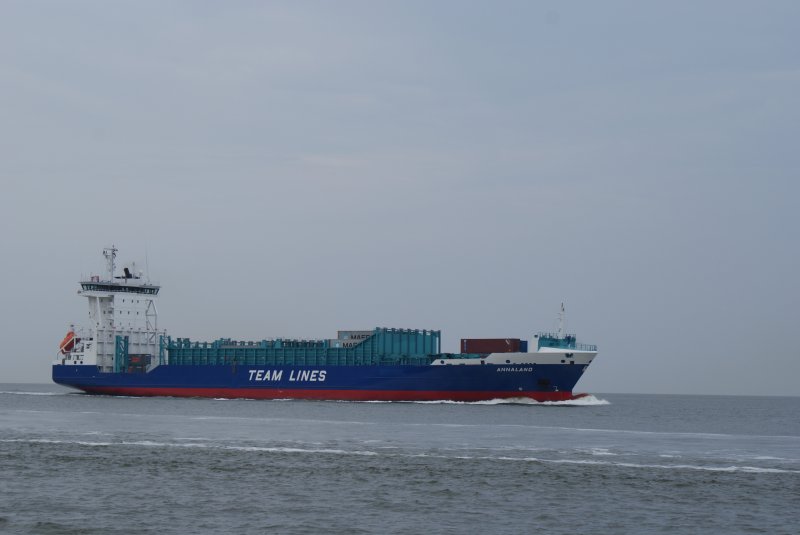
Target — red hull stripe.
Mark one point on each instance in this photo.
(348, 395)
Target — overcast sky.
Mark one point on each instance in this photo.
(294, 168)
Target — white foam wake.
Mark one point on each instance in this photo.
(315, 449)
(36, 393)
(748, 469)
(200, 445)
(585, 401)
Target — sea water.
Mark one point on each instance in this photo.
(75, 463)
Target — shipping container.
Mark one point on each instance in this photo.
(139, 359)
(490, 345)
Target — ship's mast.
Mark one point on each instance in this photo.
(147, 265)
(110, 253)
(562, 318)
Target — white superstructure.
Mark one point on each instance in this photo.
(122, 309)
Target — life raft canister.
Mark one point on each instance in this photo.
(67, 343)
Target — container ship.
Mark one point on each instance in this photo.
(124, 352)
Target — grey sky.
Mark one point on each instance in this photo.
(296, 168)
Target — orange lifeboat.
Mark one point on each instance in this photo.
(68, 342)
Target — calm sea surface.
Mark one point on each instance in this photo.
(73, 463)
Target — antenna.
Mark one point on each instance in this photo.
(562, 318)
(146, 264)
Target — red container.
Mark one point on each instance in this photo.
(490, 345)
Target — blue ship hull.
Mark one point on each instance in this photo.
(542, 382)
